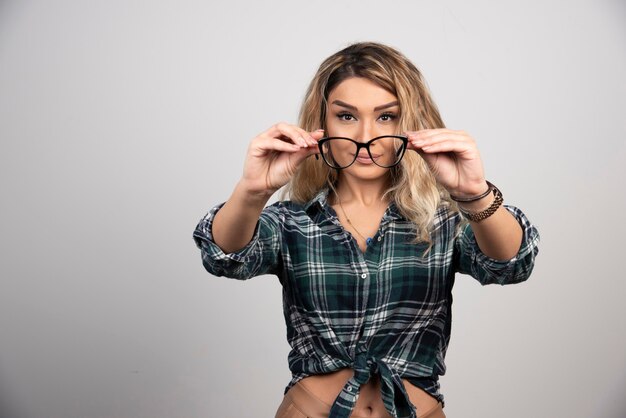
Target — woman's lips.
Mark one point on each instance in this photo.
(366, 159)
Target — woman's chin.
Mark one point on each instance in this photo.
(366, 172)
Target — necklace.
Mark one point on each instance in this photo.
(368, 240)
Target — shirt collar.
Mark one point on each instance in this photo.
(320, 200)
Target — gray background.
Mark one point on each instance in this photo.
(123, 122)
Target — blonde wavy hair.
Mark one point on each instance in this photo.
(413, 187)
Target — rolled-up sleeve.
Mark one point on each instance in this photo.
(260, 256)
(471, 260)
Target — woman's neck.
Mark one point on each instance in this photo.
(363, 193)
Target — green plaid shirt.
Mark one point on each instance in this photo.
(386, 311)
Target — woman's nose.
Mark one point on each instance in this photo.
(365, 133)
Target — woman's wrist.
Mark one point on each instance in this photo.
(477, 205)
(474, 193)
(475, 210)
(251, 195)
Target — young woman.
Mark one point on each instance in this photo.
(385, 206)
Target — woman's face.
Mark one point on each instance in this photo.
(361, 110)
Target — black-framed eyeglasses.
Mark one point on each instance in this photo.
(340, 152)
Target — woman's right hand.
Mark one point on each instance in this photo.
(274, 155)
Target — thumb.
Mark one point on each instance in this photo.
(299, 156)
(302, 154)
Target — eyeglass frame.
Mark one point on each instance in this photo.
(359, 145)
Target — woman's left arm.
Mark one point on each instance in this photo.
(454, 159)
(500, 235)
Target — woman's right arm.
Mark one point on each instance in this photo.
(272, 158)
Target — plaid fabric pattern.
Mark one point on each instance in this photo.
(386, 311)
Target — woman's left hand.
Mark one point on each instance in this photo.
(453, 158)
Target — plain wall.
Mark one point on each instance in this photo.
(123, 122)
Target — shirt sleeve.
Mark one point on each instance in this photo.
(260, 256)
(471, 260)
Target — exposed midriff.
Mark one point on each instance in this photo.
(327, 386)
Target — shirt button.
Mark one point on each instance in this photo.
(380, 238)
(349, 388)
(363, 275)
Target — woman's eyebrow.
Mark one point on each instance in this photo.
(349, 106)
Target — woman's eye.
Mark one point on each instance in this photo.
(345, 116)
(387, 117)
